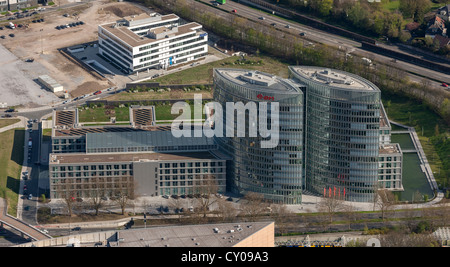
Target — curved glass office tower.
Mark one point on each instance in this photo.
(342, 133)
(274, 172)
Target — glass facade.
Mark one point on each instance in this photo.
(342, 137)
(276, 173)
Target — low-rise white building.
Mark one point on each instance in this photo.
(149, 41)
(50, 83)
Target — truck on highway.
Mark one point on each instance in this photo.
(222, 2)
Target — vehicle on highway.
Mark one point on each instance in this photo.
(98, 92)
(302, 34)
(273, 24)
(444, 84)
(234, 11)
(30, 197)
(262, 18)
(288, 26)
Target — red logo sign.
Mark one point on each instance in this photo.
(264, 97)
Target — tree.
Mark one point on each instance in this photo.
(330, 205)
(68, 194)
(386, 200)
(96, 195)
(227, 210)
(415, 9)
(205, 188)
(324, 7)
(357, 15)
(281, 215)
(253, 205)
(123, 193)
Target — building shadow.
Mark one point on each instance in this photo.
(17, 152)
(13, 184)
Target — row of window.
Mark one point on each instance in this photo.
(190, 164)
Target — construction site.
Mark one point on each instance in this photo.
(35, 49)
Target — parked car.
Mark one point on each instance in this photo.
(30, 197)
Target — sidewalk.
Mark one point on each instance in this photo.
(21, 124)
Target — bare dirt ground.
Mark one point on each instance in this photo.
(41, 42)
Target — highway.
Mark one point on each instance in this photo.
(417, 73)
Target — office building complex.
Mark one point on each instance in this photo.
(139, 159)
(390, 156)
(276, 172)
(7, 5)
(323, 132)
(342, 133)
(146, 41)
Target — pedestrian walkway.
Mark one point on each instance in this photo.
(19, 225)
(21, 124)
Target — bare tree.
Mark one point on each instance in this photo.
(226, 210)
(253, 205)
(96, 195)
(205, 189)
(177, 204)
(330, 205)
(281, 215)
(386, 200)
(123, 193)
(68, 195)
(351, 214)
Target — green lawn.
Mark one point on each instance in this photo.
(163, 112)
(6, 122)
(11, 159)
(413, 113)
(424, 120)
(100, 114)
(392, 5)
(173, 94)
(202, 74)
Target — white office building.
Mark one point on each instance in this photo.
(149, 41)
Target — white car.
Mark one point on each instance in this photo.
(30, 197)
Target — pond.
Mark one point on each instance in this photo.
(413, 178)
(404, 140)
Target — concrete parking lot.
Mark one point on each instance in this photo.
(17, 81)
(41, 41)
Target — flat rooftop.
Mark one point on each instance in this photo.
(334, 78)
(82, 131)
(260, 81)
(207, 235)
(390, 149)
(132, 39)
(83, 158)
(127, 140)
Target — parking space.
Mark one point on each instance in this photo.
(37, 41)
